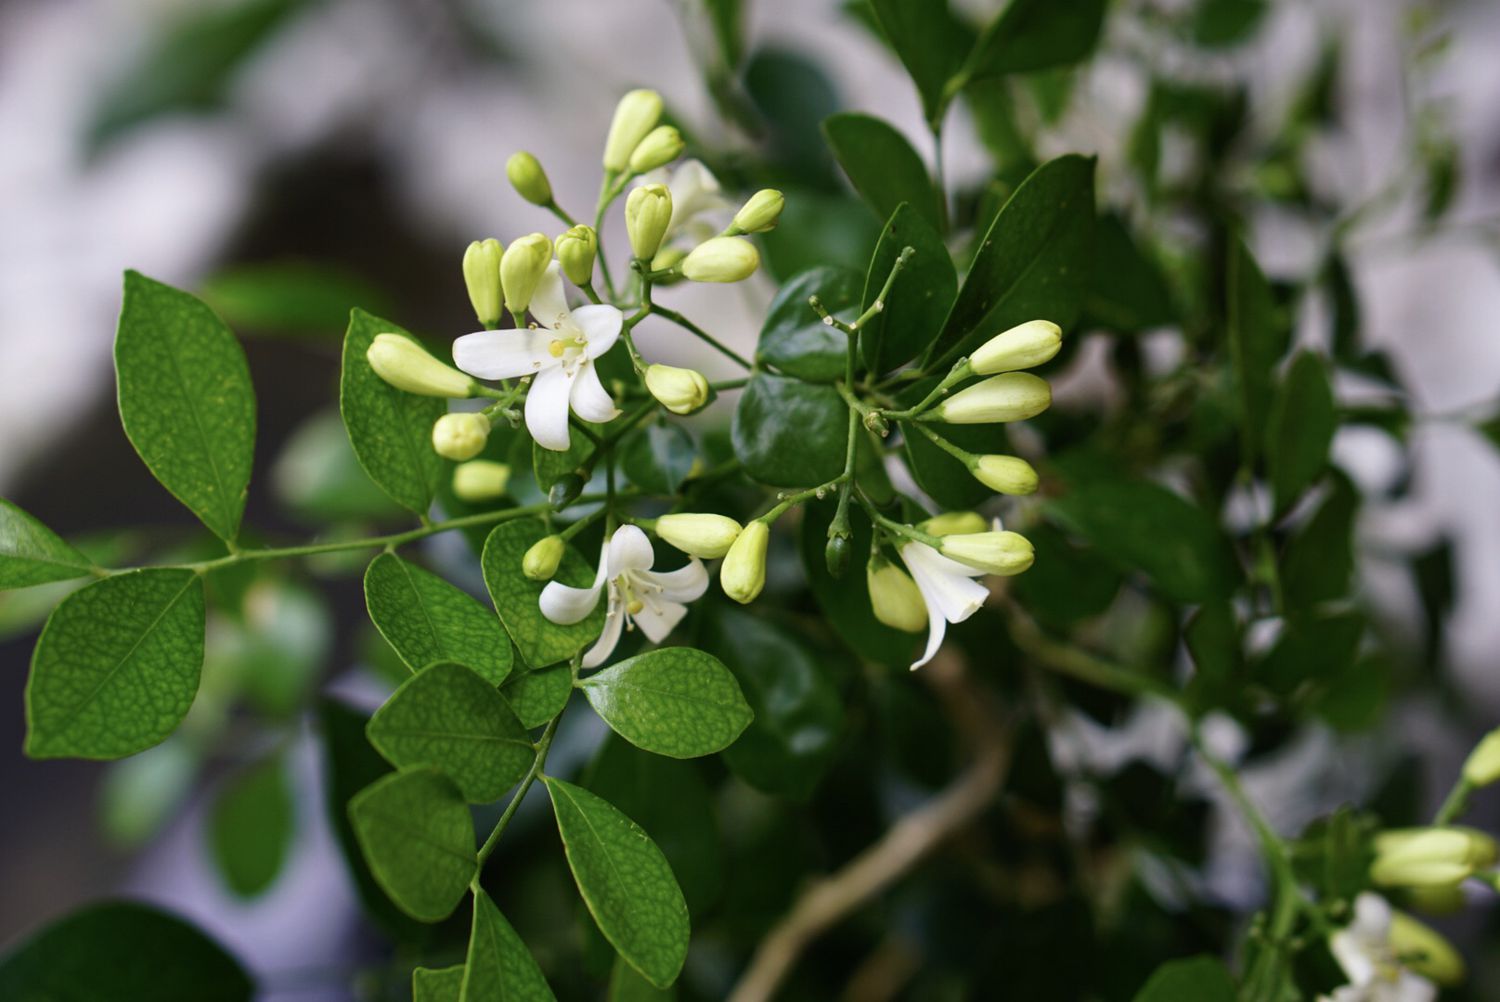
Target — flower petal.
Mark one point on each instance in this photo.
(937, 627)
(657, 617)
(685, 584)
(547, 408)
(549, 304)
(503, 354)
(614, 620)
(945, 584)
(565, 605)
(600, 324)
(589, 398)
(629, 550)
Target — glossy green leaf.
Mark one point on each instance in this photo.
(1129, 294)
(845, 601)
(1302, 423)
(116, 666)
(447, 716)
(945, 479)
(498, 967)
(676, 701)
(442, 984)
(428, 620)
(418, 839)
(1196, 979)
(251, 827)
(391, 430)
(1036, 35)
(919, 300)
(538, 695)
(659, 457)
(32, 554)
(122, 952)
(625, 881)
(185, 400)
(931, 44)
(540, 641)
(882, 166)
(627, 985)
(795, 340)
(550, 465)
(1255, 344)
(789, 433)
(1034, 261)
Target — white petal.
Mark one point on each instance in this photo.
(685, 584)
(547, 408)
(695, 191)
(937, 626)
(549, 304)
(565, 605)
(945, 584)
(589, 398)
(503, 354)
(629, 550)
(605, 645)
(658, 618)
(600, 324)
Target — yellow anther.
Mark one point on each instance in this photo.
(556, 349)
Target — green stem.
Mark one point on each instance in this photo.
(956, 375)
(962, 455)
(1455, 803)
(702, 335)
(557, 211)
(542, 746)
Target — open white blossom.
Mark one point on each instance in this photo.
(558, 354)
(1363, 949)
(652, 600)
(699, 208)
(948, 588)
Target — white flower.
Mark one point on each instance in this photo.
(559, 355)
(1363, 949)
(652, 600)
(947, 587)
(697, 203)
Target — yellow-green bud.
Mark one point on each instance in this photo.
(460, 436)
(528, 178)
(952, 523)
(661, 146)
(1425, 857)
(648, 210)
(540, 562)
(1021, 347)
(1424, 951)
(706, 536)
(576, 250)
(895, 597)
(743, 573)
(760, 212)
(992, 552)
(482, 276)
(680, 391)
(404, 364)
(1013, 396)
(665, 260)
(722, 259)
(635, 116)
(1005, 474)
(480, 480)
(521, 267)
(1482, 767)
(1439, 899)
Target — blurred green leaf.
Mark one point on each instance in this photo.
(795, 340)
(1223, 23)
(251, 827)
(789, 433)
(428, 620)
(1036, 35)
(318, 477)
(1302, 422)
(140, 794)
(1318, 561)
(498, 965)
(845, 601)
(1129, 292)
(1196, 979)
(627, 985)
(1256, 342)
(817, 229)
(516, 597)
(930, 42)
(290, 296)
(418, 839)
(676, 701)
(441, 985)
(882, 166)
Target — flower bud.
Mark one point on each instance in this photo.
(482, 276)
(743, 573)
(460, 436)
(995, 552)
(722, 259)
(1012, 396)
(680, 391)
(1438, 899)
(404, 364)
(540, 562)
(521, 267)
(760, 212)
(1005, 474)
(648, 210)
(1424, 857)
(665, 260)
(635, 116)
(1482, 767)
(953, 523)
(1021, 347)
(705, 536)
(1424, 951)
(576, 250)
(836, 553)
(528, 178)
(480, 480)
(894, 597)
(661, 146)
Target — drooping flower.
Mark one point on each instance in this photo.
(637, 595)
(948, 588)
(559, 355)
(1370, 960)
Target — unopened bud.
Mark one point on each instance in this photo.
(1425, 857)
(528, 178)
(759, 213)
(576, 250)
(648, 210)
(895, 597)
(661, 146)
(995, 552)
(1005, 474)
(680, 391)
(460, 436)
(1424, 951)
(700, 535)
(482, 277)
(666, 260)
(952, 523)
(1021, 347)
(1012, 396)
(480, 480)
(540, 562)
(836, 554)
(521, 267)
(1482, 767)
(404, 364)
(743, 573)
(721, 259)
(635, 116)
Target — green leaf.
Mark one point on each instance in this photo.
(140, 794)
(116, 666)
(798, 711)
(186, 401)
(418, 838)
(627, 985)
(920, 298)
(946, 480)
(538, 695)
(443, 984)
(549, 465)
(447, 716)
(1196, 979)
(319, 479)
(676, 701)
(499, 968)
(1066, 583)
(32, 554)
(625, 881)
(122, 952)
(1222, 23)
(930, 42)
(391, 431)
(1255, 344)
(845, 601)
(428, 620)
(1303, 420)
(251, 827)
(1034, 261)
(288, 296)
(1129, 293)
(795, 340)
(882, 166)
(540, 641)
(1036, 35)
(659, 458)
(1318, 562)
(789, 433)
